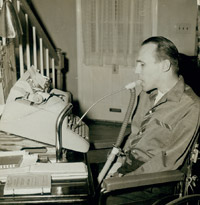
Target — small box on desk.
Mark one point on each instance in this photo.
(7, 162)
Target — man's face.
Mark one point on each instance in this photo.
(148, 67)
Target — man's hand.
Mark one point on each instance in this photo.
(113, 171)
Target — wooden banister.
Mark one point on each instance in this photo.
(40, 33)
(43, 56)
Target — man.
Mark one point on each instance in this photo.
(166, 115)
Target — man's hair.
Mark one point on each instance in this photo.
(165, 50)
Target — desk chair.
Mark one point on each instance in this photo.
(184, 181)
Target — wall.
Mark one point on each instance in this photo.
(177, 21)
(59, 20)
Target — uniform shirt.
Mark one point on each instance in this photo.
(162, 132)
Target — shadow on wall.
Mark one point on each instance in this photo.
(64, 71)
(190, 71)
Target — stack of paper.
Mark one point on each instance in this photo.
(73, 170)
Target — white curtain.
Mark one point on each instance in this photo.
(114, 29)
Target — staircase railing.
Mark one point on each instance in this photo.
(33, 48)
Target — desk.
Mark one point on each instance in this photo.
(64, 191)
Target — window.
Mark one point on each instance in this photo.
(114, 29)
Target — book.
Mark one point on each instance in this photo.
(22, 184)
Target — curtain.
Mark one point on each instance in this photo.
(114, 29)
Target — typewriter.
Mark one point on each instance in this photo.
(32, 112)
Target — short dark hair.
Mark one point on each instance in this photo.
(165, 50)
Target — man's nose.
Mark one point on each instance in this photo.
(138, 69)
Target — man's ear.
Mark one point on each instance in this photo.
(166, 65)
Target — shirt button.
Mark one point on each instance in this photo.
(150, 111)
(140, 132)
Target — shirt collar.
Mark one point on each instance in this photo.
(174, 94)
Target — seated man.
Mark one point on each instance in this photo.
(165, 118)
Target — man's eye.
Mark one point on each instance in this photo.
(142, 64)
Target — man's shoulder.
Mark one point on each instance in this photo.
(190, 94)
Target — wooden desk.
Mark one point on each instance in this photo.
(64, 191)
